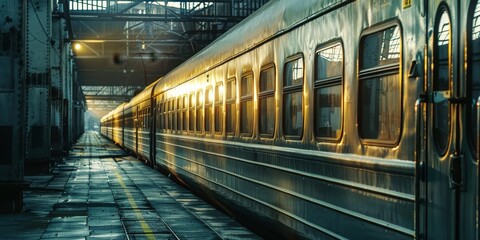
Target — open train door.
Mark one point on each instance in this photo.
(451, 175)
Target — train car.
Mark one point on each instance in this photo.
(138, 122)
(332, 119)
(106, 125)
(117, 125)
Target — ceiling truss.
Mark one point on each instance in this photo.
(121, 46)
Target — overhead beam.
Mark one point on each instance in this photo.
(88, 16)
(108, 97)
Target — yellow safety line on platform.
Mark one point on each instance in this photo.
(146, 228)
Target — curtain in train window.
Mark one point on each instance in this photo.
(293, 99)
(266, 99)
(200, 100)
(208, 109)
(219, 108)
(328, 92)
(246, 105)
(230, 106)
(474, 73)
(441, 82)
(379, 102)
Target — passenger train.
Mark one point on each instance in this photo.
(334, 119)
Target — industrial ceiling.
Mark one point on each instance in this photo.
(122, 46)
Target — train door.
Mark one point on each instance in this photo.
(451, 175)
(153, 130)
(472, 117)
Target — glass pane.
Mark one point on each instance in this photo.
(328, 103)
(292, 114)
(209, 96)
(219, 92)
(192, 100)
(475, 72)
(184, 114)
(185, 120)
(246, 113)
(441, 109)
(293, 73)
(267, 80)
(329, 62)
(208, 119)
(191, 116)
(247, 85)
(231, 90)
(379, 108)
(199, 99)
(381, 48)
(179, 114)
(230, 118)
(267, 115)
(218, 118)
(199, 119)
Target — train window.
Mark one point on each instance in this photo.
(230, 96)
(184, 113)
(162, 114)
(293, 99)
(328, 92)
(199, 111)
(173, 121)
(441, 83)
(219, 107)
(208, 109)
(144, 115)
(167, 110)
(474, 73)
(266, 101)
(179, 113)
(379, 104)
(191, 113)
(246, 105)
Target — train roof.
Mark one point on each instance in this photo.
(109, 114)
(119, 108)
(143, 95)
(274, 18)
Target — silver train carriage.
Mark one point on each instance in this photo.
(333, 119)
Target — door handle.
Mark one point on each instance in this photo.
(419, 163)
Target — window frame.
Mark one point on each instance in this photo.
(220, 104)
(199, 108)
(179, 113)
(292, 89)
(244, 99)
(185, 120)
(233, 102)
(380, 71)
(329, 82)
(191, 109)
(207, 112)
(265, 95)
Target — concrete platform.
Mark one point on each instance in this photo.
(99, 192)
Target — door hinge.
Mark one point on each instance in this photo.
(457, 172)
